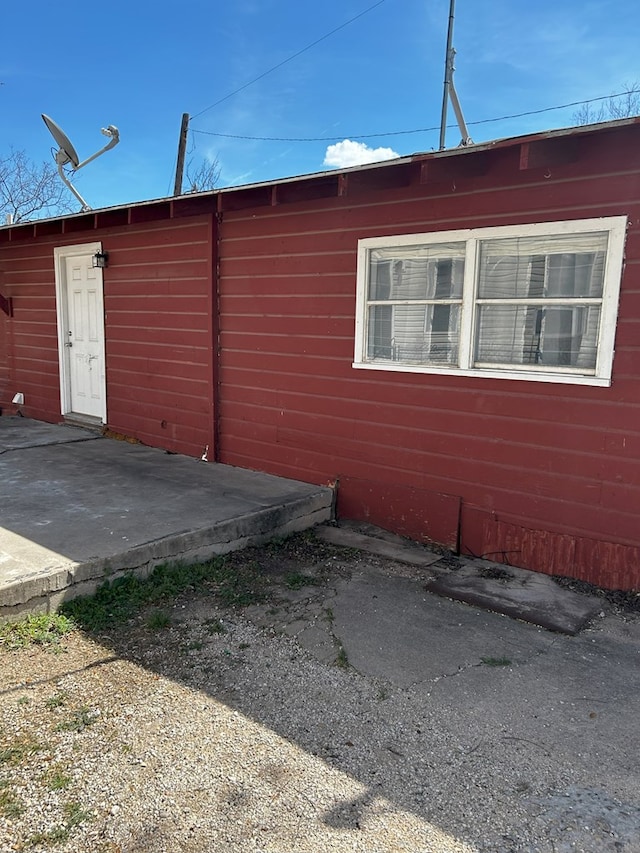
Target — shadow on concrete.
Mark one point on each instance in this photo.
(463, 729)
(76, 507)
(430, 723)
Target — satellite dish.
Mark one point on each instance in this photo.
(64, 143)
(66, 153)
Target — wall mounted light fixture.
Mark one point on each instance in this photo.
(100, 260)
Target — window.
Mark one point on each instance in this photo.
(536, 302)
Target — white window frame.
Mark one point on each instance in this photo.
(615, 226)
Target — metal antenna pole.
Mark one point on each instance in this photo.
(447, 76)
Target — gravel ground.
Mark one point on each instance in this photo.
(219, 731)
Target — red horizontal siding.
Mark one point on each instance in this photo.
(158, 303)
(539, 474)
(564, 459)
(492, 200)
(31, 365)
(158, 298)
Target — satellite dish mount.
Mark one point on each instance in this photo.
(66, 153)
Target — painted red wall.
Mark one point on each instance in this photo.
(540, 475)
(158, 307)
(158, 315)
(30, 336)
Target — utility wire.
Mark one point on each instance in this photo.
(284, 61)
(406, 132)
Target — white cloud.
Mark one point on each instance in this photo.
(348, 153)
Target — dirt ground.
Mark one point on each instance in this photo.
(230, 717)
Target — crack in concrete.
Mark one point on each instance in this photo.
(50, 444)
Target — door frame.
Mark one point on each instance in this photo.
(61, 254)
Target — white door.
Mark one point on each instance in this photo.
(81, 333)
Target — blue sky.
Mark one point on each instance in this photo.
(139, 65)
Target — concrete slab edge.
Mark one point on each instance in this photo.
(532, 597)
(535, 614)
(45, 593)
(405, 552)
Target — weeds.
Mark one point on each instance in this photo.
(10, 805)
(57, 835)
(79, 720)
(74, 815)
(342, 660)
(158, 620)
(297, 580)
(19, 749)
(57, 780)
(214, 626)
(46, 630)
(496, 661)
(56, 701)
(118, 601)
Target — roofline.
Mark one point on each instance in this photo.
(460, 151)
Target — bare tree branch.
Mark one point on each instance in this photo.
(619, 107)
(28, 190)
(202, 176)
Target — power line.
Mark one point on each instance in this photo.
(407, 132)
(293, 56)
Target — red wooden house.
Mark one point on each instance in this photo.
(453, 338)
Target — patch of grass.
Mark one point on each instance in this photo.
(194, 646)
(214, 626)
(329, 615)
(158, 620)
(56, 701)
(57, 835)
(10, 805)
(342, 660)
(75, 815)
(240, 588)
(46, 630)
(496, 661)
(56, 779)
(277, 544)
(19, 749)
(78, 721)
(118, 601)
(296, 580)
(24, 700)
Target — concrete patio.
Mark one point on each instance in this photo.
(76, 507)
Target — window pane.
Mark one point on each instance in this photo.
(380, 333)
(434, 272)
(415, 334)
(548, 335)
(380, 280)
(551, 267)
